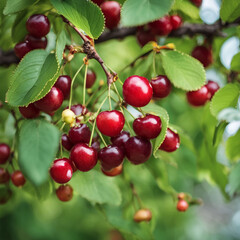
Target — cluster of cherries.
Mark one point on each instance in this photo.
(38, 27)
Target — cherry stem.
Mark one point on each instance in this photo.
(154, 64)
(84, 85)
(115, 87)
(109, 97)
(134, 192)
(100, 135)
(140, 110)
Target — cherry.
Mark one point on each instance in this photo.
(138, 150)
(51, 102)
(120, 140)
(98, 2)
(110, 123)
(171, 142)
(176, 21)
(113, 172)
(68, 117)
(38, 25)
(96, 145)
(212, 87)
(181, 196)
(36, 43)
(79, 109)
(145, 36)
(61, 171)
(30, 111)
(182, 205)
(197, 2)
(137, 91)
(203, 54)
(148, 127)
(4, 175)
(199, 97)
(161, 86)
(66, 142)
(64, 84)
(84, 157)
(110, 157)
(111, 11)
(4, 153)
(161, 27)
(143, 215)
(79, 134)
(64, 193)
(21, 49)
(74, 168)
(18, 179)
(91, 78)
(5, 195)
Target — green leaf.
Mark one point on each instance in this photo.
(234, 179)
(187, 8)
(219, 130)
(96, 188)
(224, 98)
(144, 12)
(33, 78)
(83, 14)
(60, 45)
(232, 147)
(235, 64)
(38, 145)
(230, 10)
(14, 6)
(183, 71)
(229, 115)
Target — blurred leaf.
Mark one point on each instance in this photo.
(38, 145)
(187, 8)
(234, 179)
(230, 10)
(14, 6)
(219, 130)
(229, 115)
(60, 45)
(232, 147)
(235, 64)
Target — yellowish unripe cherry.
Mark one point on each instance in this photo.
(143, 215)
(68, 116)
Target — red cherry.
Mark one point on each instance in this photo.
(176, 21)
(137, 91)
(113, 172)
(161, 86)
(120, 140)
(110, 123)
(4, 153)
(30, 111)
(212, 87)
(38, 25)
(138, 150)
(110, 157)
(4, 175)
(79, 109)
(84, 157)
(74, 168)
(161, 27)
(199, 97)
(66, 142)
(98, 2)
(64, 193)
(111, 11)
(145, 36)
(51, 102)
(203, 54)
(182, 205)
(171, 142)
(148, 127)
(21, 49)
(5, 195)
(80, 134)
(64, 84)
(36, 43)
(96, 144)
(61, 171)
(197, 2)
(18, 179)
(91, 78)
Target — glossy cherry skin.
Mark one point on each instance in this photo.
(66, 142)
(79, 134)
(161, 27)
(145, 36)
(21, 49)
(199, 97)
(182, 205)
(79, 109)
(143, 215)
(98, 2)
(137, 91)
(64, 84)
(120, 140)
(4, 175)
(51, 102)
(17, 178)
(138, 150)
(5, 152)
(36, 43)
(96, 145)
(84, 157)
(110, 157)
(38, 25)
(176, 21)
(212, 87)
(161, 86)
(197, 2)
(91, 78)
(110, 123)
(171, 142)
(30, 111)
(113, 172)
(148, 127)
(203, 55)
(61, 171)
(64, 193)
(111, 11)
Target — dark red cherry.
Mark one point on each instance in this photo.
(171, 142)
(120, 140)
(148, 127)
(4, 153)
(64, 84)
(4, 175)
(212, 87)
(199, 97)
(61, 171)
(111, 11)
(38, 25)
(36, 43)
(110, 123)
(79, 109)
(91, 78)
(137, 91)
(21, 49)
(161, 86)
(64, 193)
(5, 195)
(161, 27)
(79, 134)
(84, 157)
(30, 111)
(197, 2)
(182, 205)
(110, 157)
(98, 2)
(113, 172)
(51, 102)
(96, 145)
(203, 54)
(145, 36)
(138, 150)
(176, 21)
(66, 142)
(74, 168)
(18, 178)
